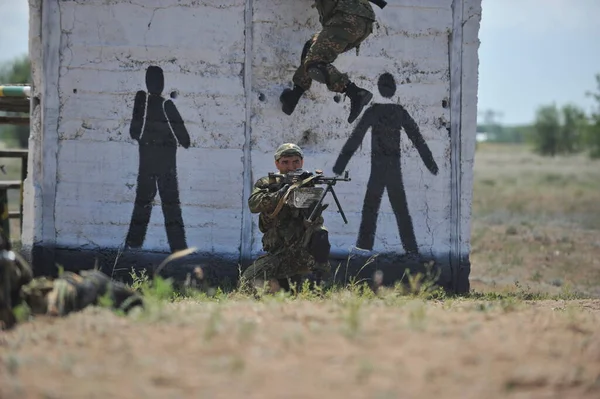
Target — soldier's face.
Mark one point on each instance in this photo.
(289, 164)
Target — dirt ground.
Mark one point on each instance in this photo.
(535, 230)
(408, 348)
(535, 222)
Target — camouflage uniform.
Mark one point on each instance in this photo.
(346, 24)
(294, 246)
(69, 293)
(72, 292)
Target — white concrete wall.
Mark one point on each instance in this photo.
(89, 59)
(104, 50)
(410, 41)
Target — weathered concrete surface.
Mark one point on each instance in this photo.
(225, 64)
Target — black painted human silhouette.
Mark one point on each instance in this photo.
(386, 122)
(158, 128)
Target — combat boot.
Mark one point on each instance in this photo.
(359, 97)
(289, 99)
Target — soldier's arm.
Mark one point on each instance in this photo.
(137, 121)
(261, 200)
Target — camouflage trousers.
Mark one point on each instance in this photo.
(341, 33)
(298, 259)
(72, 292)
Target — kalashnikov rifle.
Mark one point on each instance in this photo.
(302, 192)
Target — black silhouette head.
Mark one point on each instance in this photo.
(386, 85)
(155, 80)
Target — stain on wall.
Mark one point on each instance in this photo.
(159, 129)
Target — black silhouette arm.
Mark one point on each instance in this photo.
(413, 133)
(177, 124)
(354, 141)
(137, 121)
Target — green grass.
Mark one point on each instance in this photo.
(352, 300)
(534, 234)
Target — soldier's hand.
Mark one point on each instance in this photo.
(281, 192)
(274, 187)
(319, 211)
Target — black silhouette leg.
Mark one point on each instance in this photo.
(397, 196)
(171, 206)
(370, 211)
(142, 209)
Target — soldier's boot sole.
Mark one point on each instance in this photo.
(289, 99)
(359, 98)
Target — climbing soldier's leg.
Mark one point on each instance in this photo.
(301, 78)
(342, 33)
(302, 82)
(318, 62)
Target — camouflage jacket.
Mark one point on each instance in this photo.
(288, 228)
(72, 292)
(327, 8)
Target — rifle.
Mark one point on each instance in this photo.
(379, 3)
(303, 192)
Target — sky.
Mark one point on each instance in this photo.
(532, 53)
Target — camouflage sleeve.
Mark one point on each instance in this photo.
(261, 200)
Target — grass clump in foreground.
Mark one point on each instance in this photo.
(413, 290)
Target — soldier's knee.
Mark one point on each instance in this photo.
(248, 275)
(260, 269)
(318, 71)
(305, 50)
(320, 246)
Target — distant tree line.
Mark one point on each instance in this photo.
(15, 72)
(555, 131)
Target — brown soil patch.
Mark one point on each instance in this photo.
(301, 349)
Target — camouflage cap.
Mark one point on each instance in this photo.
(288, 149)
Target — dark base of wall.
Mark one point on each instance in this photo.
(223, 269)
